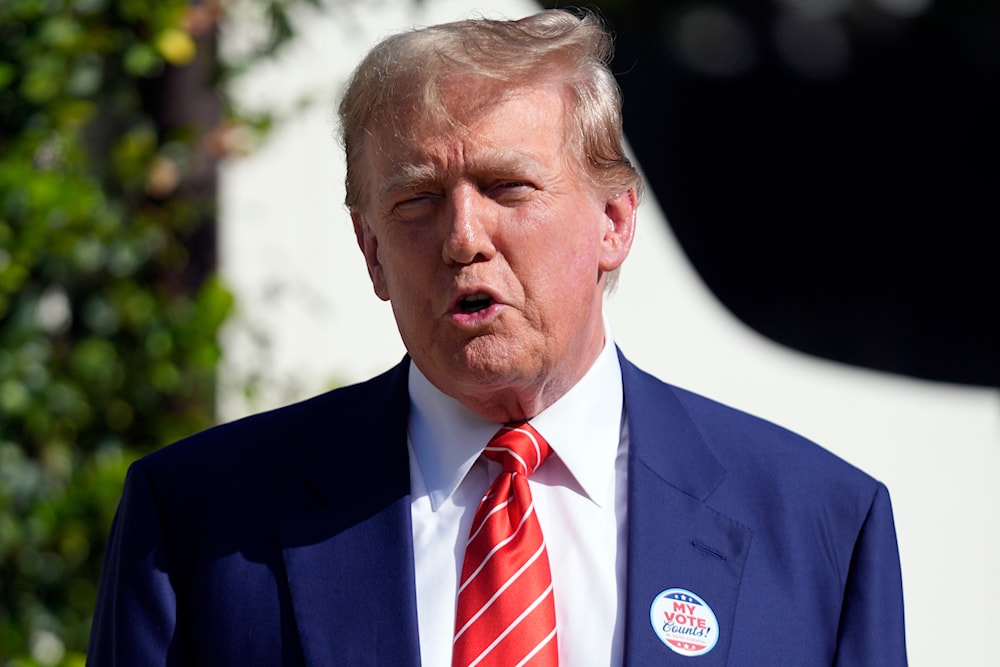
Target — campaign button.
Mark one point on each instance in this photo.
(684, 622)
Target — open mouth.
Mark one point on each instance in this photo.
(475, 303)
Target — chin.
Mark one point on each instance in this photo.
(491, 363)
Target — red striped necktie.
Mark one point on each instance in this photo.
(506, 615)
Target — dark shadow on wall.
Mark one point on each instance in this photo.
(831, 168)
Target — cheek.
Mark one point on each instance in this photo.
(412, 291)
(582, 250)
(561, 284)
(563, 263)
(405, 260)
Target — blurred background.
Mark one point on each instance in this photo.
(830, 169)
(818, 245)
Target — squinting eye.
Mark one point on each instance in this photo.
(411, 202)
(511, 189)
(414, 204)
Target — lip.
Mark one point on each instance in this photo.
(466, 318)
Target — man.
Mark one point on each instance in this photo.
(394, 522)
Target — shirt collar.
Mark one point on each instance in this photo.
(583, 428)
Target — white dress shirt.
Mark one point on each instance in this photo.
(579, 495)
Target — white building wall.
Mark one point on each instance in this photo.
(308, 320)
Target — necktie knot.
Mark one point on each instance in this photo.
(518, 448)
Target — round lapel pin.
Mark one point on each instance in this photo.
(684, 622)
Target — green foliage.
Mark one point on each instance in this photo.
(107, 323)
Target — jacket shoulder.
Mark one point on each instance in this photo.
(291, 431)
(761, 469)
(273, 464)
(740, 441)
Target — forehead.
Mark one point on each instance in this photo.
(474, 121)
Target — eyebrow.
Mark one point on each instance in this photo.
(409, 176)
(413, 176)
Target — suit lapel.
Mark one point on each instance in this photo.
(675, 539)
(349, 560)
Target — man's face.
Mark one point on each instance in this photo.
(492, 249)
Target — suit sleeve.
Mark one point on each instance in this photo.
(135, 619)
(871, 623)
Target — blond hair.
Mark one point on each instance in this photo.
(401, 76)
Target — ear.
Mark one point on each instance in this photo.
(619, 215)
(368, 243)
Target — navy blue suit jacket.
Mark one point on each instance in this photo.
(285, 539)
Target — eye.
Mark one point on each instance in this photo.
(512, 185)
(415, 205)
(511, 191)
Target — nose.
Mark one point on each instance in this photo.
(469, 227)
